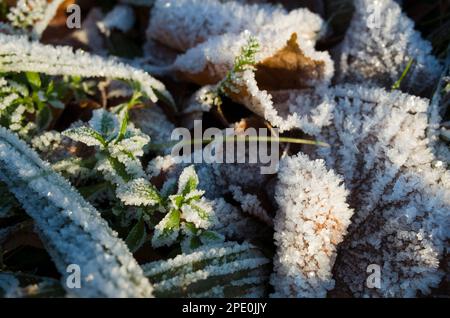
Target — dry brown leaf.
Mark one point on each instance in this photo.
(289, 68)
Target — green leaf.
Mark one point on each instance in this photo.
(191, 228)
(119, 168)
(34, 79)
(139, 192)
(202, 213)
(123, 126)
(177, 200)
(166, 99)
(85, 135)
(188, 180)
(194, 242)
(44, 117)
(211, 236)
(173, 219)
(106, 123)
(136, 237)
(50, 88)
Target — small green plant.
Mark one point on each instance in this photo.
(71, 228)
(246, 60)
(189, 216)
(397, 84)
(186, 215)
(81, 88)
(118, 145)
(136, 98)
(28, 96)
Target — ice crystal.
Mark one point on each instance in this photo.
(189, 213)
(17, 54)
(153, 122)
(120, 145)
(233, 224)
(400, 196)
(311, 221)
(439, 131)
(62, 153)
(251, 204)
(72, 230)
(377, 196)
(380, 42)
(226, 270)
(33, 15)
(12, 109)
(121, 17)
(209, 54)
(184, 24)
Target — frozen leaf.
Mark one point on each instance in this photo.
(121, 17)
(184, 24)
(400, 195)
(86, 135)
(311, 221)
(137, 236)
(71, 229)
(139, 192)
(105, 123)
(17, 54)
(225, 270)
(33, 16)
(167, 231)
(379, 44)
(188, 181)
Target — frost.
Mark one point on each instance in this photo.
(380, 42)
(17, 54)
(217, 267)
(187, 211)
(378, 195)
(120, 145)
(33, 14)
(210, 53)
(438, 131)
(73, 231)
(63, 154)
(138, 192)
(186, 23)
(121, 17)
(251, 204)
(311, 221)
(234, 224)
(286, 58)
(153, 122)
(400, 197)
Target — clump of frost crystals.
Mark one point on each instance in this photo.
(33, 14)
(401, 198)
(226, 270)
(119, 146)
(188, 212)
(18, 54)
(72, 230)
(206, 54)
(311, 221)
(182, 24)
(380, 42)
